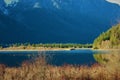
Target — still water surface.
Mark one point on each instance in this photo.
(74, 57)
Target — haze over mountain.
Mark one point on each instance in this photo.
(50, 21)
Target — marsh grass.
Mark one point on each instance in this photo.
(38, 69)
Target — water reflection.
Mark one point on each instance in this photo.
(112, 57)
(74, 57)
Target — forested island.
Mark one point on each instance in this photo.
(109, 39)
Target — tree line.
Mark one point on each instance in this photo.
(51, 45)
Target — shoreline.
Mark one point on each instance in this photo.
(42, 49)
(52, 49)
(107, 49)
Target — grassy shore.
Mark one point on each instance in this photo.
(38, 69)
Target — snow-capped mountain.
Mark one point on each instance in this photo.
(45, 21)
(114, 1)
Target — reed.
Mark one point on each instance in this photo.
(38, 69)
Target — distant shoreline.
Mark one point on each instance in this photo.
(39, 49)
(42, 49)
(51, 49)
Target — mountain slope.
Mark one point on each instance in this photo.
(9, 33)
(70, 21)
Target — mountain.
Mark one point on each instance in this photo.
(9, 31)
(63, 21)
(114, 1)
(109, 39)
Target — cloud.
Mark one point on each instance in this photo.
(114, 1)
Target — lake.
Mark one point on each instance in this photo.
(58, 58)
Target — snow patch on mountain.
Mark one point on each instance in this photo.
(114, 1)
(37, 5)
(10, 2)
(55, 3)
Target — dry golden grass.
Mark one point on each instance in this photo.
(39, 70)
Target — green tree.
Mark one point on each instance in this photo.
(112, 36)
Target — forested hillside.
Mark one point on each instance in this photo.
(109, 39)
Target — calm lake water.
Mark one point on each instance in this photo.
(58, 58)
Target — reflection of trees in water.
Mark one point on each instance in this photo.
(110, 60)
